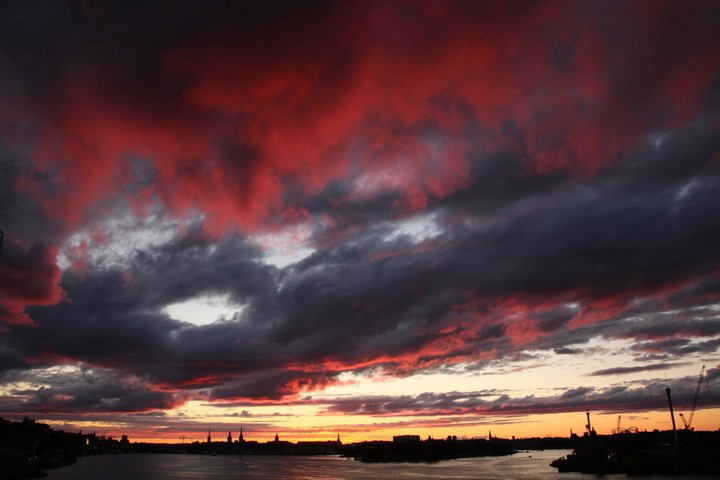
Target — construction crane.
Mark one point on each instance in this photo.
(589, 428)
(688, 422)
(685, 422)
(672, 413)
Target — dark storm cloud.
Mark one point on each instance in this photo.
(394, 307)
(85, 391)
(10, 359)
(271, 385)
(610, 236)
(22, 217)
(117, 323)
(687, 323)
(399, 307)
(604, 238)
(116, 315)
(660, 327)
(27, 277)
(28, 271)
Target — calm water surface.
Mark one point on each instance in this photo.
(533, 465)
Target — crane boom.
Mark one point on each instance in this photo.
(685, 422)
(695, 398)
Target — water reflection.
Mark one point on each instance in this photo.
(534, 465)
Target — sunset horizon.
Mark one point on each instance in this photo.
(538, 426)
(433, 218)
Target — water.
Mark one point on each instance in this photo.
(533, 465)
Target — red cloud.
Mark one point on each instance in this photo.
(27, 277)
(389, 97)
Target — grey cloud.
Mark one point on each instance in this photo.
(640, 368)
(90, 391)
(567, 351)
(630, 397)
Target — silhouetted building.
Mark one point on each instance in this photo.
(229, 439)
(327, 447)
(209, 440)
(277, 438)
(406, 438)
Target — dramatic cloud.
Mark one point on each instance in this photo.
(29, 274)
(363, 193)
(67, 390)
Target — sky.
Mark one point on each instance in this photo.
(365, 218)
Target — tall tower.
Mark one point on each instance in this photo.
(229, 439)
(241, 439)
(208, 441)
(277, 438)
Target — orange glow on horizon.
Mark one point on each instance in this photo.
(357, 429)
